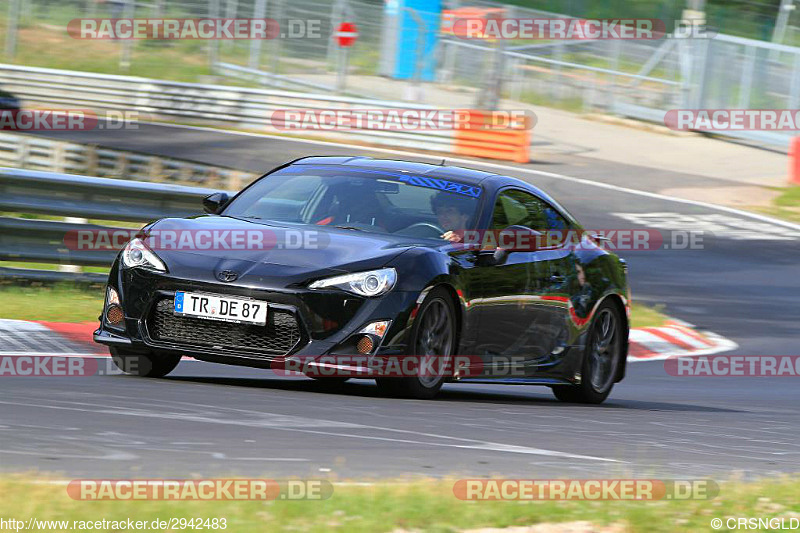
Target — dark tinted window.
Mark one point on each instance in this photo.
(371, 200)
(519, 208)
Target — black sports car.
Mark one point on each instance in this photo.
(340, 267)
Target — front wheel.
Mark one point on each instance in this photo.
(433, 336)
(144, 364)
(604, 349)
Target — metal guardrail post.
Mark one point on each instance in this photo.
(794, 89)
(58, 155)
(260, 12)
(122, 165)
(277, 43)
(558, 55)
(23, 150)
(231, 8)
(72, 268)
(213, 44)
(91, 159)
(614, 81)
(156, 168)
(126, 45)
(11, 27)
(337, 17)
(746, 81)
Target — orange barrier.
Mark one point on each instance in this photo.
(479, 137)
(794, 161)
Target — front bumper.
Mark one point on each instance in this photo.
(318, 322)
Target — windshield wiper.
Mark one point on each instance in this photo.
(248, 217)
(349, 227)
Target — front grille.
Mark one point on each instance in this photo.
(277, 337)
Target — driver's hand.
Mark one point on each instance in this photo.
(451, 236)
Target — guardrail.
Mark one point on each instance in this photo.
(269, 79)
(39, 153)
(241, 107)
(43, 241)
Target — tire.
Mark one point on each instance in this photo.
(144, 364)
(601, 360)
(433, 334)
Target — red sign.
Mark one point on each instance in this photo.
(346, 34)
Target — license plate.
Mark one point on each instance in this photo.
(225, 308)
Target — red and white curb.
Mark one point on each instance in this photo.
(19, 337)
(675, 339)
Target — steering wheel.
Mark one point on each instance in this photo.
(439, 231)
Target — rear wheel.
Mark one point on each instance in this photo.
(433, 336)
(144, 364)
(604, 349)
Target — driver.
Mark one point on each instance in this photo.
(453, 214)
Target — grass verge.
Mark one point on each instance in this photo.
(56, 303)
(415, 506)
(49, 266)
(785, 206)
(643, 316)
(67, 303)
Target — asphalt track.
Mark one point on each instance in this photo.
(210, 419)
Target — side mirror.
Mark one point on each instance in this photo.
(518, 239)
(213, 203)
(511, 239)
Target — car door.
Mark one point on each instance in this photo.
(523, 304)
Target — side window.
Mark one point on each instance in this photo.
(516, 207)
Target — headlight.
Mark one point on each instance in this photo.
(137, 254)
(371, 283)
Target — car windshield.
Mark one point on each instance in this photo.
(380, 201)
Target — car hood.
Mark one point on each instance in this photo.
(266, 254)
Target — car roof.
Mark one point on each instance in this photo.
(465, 175)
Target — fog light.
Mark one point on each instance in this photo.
(114, 315)
(365, 344)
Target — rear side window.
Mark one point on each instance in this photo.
(520, 208)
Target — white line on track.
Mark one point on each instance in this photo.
(454, 442)
(508, 169)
